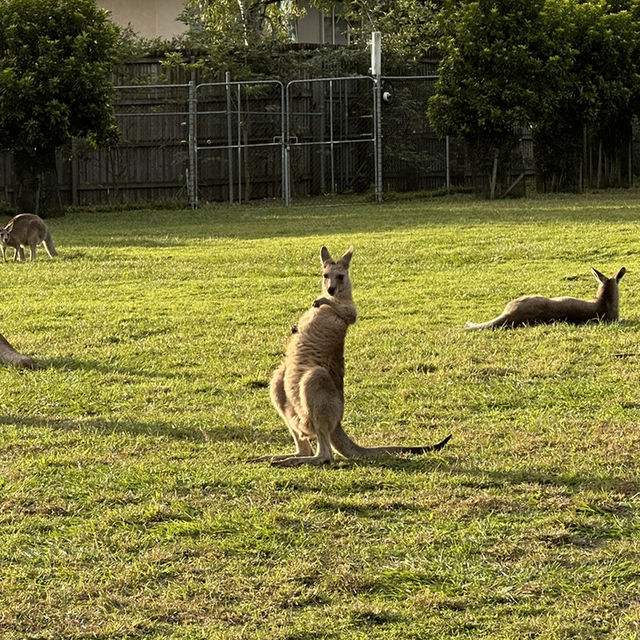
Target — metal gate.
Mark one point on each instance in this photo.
(262, 140)
(238, 140)
(330, 136)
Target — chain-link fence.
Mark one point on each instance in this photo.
(414, 158)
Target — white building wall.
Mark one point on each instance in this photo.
(159, 18)
(148, 18)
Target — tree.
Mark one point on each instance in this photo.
(583, 129)
(568, 69)
(408, 27)
(239, 36)
(491, 76)
(55, 60)
(241, 23)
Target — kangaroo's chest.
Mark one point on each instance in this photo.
(319, 340)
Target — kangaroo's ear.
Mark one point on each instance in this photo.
(325, 256)
(346, 258)
(620, 273)
(598, 276)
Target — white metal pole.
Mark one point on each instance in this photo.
(192, 140)
(376, 72)
(227, 79)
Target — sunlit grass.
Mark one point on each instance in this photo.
(128, 510)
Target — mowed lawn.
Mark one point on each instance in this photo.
(127, 508)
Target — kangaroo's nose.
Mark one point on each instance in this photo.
(331, 290)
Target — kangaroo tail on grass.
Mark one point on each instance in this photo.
(344, 445)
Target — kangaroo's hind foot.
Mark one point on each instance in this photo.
(323, 455)
(303, 450)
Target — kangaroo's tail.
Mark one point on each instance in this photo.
(344, 445)
(48, 245)
(500, 321)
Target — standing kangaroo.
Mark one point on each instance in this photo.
(307, 388)
(539, 310)
(25, 230)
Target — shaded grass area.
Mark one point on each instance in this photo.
(128, 510)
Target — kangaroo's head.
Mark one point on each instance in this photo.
(5, 233)
(609, 293)
(335, 275)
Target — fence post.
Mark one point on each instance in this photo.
(448, 163)
(240, 145)
(227, 81)
(284, 132)
(192, 177)
(376, 72)
(74, 173)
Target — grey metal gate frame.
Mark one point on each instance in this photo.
(320, 117)
(291, 141)
(285, 138)
(232, 89)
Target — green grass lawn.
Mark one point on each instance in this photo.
(127, 509)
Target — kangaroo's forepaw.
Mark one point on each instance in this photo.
(318, 302)
(26, 363)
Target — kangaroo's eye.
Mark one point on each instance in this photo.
(340, 277)
(325, 276)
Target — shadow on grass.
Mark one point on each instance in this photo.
(141, 228)
(263, 443)
(134, 427)
(474, 478)
(76, 364)
(482, 479)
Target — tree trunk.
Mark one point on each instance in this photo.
(11, 356)
(36, 183)
(494, 177)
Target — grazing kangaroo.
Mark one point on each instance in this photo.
(307, 388)
(25, 230)
(539, 310)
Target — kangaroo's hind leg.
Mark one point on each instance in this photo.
(288, 414)
(321, 412)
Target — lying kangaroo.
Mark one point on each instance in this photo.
(539, 310)
(25, 230)
(307, 388)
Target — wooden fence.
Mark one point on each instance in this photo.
(230, 140)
